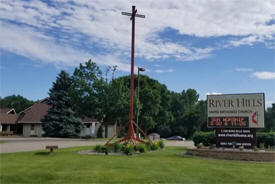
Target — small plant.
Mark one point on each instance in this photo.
(117, 147)
(212, 146)
(200, 145)
(141, 148)
(261, 146)
(128, 148)
(98, 148)
(241, 148)
(148, 145)
(255, 148)
(105, 149)
(154, 146)
(161, 144)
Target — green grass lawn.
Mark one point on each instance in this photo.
(66, 166)
(1, 142)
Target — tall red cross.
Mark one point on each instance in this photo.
(133, 15)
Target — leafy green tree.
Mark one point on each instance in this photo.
(186, 112)
(18, 102)
(153, 102)
(87, 83)
(270, 118)
(61, 120)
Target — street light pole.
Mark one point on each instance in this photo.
(140, 69)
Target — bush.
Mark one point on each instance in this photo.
(206, 138)
(117, 147)
(106, 149)
(266, 138)
(200, 145)
(98, 148)
(161, 144)
(241, 148)
(154, 146)
(141, 148)
(148, 145)
(128, 148)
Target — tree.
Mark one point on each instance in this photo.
(61, 120)
(87, 83)
(270, 118)
(154, 102)
(187, 113)
(18, 102)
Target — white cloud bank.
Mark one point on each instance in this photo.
(264, 75)
(65, 32)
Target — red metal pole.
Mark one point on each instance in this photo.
(131, 126)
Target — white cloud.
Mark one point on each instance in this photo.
(69, 29)
(264, 75)
(164, 71)
(37, 46)
(243, 69)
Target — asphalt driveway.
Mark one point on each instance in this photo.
(21, 144)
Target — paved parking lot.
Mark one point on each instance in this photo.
(21, 144)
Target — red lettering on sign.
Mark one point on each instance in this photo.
(253, 118)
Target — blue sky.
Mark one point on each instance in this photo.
(214, 47)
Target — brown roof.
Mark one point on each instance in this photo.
(35, 113)
(7, 110)
(8, 118)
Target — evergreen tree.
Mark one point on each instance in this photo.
(61, 120)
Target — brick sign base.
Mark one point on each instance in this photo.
(230, 138)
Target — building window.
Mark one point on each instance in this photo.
(88, 125)
(32, 126)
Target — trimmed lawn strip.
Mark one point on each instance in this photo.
(66, 166)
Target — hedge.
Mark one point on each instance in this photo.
(208, 138)
(266, 138)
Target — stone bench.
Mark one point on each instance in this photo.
(51, 148)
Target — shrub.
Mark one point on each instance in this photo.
(154, 146)
(117, 147)
(128, 148)
(212, 146)
(141, 148)
(199, 145)
(161, 144)
(262, 146)
(266, 138)
(241, 148)
(98, 148)
(206, 138)
(148, 145)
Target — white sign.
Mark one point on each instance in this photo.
(236, 110)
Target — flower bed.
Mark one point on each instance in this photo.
(247, 155)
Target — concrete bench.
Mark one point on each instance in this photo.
(51, 148)
(6, 133)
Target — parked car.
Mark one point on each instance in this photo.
(178, 138)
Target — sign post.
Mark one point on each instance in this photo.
(235, 118)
